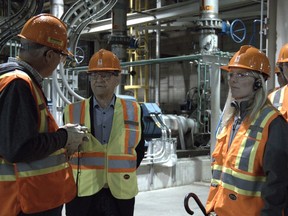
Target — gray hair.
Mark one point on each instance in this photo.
(31, 48)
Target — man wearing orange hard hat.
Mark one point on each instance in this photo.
(278, 97)
(105, 168)
(35, 176)
(249, 172)
(280, 78)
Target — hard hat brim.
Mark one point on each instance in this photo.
(225, 67)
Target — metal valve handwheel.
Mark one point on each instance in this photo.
(79, 55)
(238, 31)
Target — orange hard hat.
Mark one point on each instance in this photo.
(251, 58)
(104, 60)
(47, 30)
(283, 54)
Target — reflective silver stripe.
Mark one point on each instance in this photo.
(216, 174)
(244, 160)
(76, 113)
(89, 161)
(276, 101)
(263, 115)
(130, 122)
(253, 186)
(6, 169)
(132, 140)
(254, 130)
(121, 164)
(48, 162)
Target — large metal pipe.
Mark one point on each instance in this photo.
(118, 39)
(271, 40)
(168, 59)
(208, 23)
(57, 9)
(157, 70)
(208, 42)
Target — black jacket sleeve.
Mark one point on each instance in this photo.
(140, 149)
(275, 165)
(19, 137)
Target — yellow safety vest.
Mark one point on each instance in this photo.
(277, 99)
(237, 171)
(114, 163)
(39, 185)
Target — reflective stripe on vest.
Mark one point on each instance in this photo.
(241, 183)
(97, 165)
(121, 164)
(75, 110)
(131, 121)
(53, 163)
(93, 160)
(130, 118)
(42, 112)
(34, 183)
(277, 97)
(77, 114)
(249, 146)
(7, 172)
(216, 174)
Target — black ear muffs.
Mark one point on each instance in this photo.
(257, 84)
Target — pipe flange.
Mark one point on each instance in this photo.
(209, 23)
(119, 39)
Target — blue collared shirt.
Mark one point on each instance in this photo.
(103, 119)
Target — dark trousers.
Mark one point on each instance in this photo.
(52, 212)
(101, 204)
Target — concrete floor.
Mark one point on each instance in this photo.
(170, 201)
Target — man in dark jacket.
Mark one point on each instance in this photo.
(35, 176)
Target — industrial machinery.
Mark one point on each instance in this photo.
(181, 91)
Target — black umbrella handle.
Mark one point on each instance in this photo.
(197, 200)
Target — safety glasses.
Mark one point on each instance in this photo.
(240, 76)
(104, 75)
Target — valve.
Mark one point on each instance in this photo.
(238, 31)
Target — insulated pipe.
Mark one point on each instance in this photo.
(271, 40)
(119, 40)
(261, 26)
(208, 42)
(208, 22)
(66, 84)
(55, 83)
(57, 9)
(157, 69)
(225, 55)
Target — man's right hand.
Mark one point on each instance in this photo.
(76, 135)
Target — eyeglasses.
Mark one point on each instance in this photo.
(239, 76)
(63, 56)
(104, 75)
